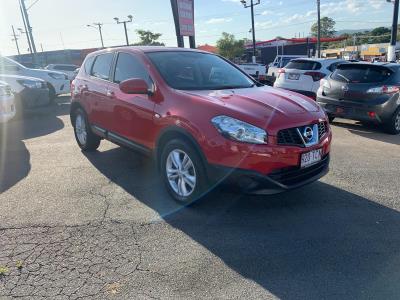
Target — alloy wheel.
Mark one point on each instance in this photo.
(397, 121)
(80, 127)
(181, 173)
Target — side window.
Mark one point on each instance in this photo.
(333, 66)
(128, 67)
(102, 65)
(88, 64)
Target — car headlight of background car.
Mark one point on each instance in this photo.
(58, 76)
(32, 84)
(240, 131)
(5, 91)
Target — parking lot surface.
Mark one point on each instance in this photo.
(100, 225)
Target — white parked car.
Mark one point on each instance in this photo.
(30, 94)
(303, 75)
(7, 105)
(57, 82)
(257, 71)
(279, 62)
(67, 69)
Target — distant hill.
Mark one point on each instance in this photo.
(351, 31)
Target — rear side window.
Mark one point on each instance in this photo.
(88, 64)
(128, 67)
(304, 65)
(102, 65)
(353, 73)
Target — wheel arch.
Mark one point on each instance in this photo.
(174, 132)
(74, 107)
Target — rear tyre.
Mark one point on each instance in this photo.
(393, 125)
(84, 136)
(183, 172)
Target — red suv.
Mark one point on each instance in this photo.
(202, 119)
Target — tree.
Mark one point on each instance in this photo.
(327, 27)
(230, 47)
(148, 38)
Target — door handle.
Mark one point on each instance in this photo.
(110, 93)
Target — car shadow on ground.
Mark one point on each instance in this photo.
(318, 242)
(14, 155)
(370, 131)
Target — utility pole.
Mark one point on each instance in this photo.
(251, 5)
(319, 28)
(15, 39)
(28, 25)
(98, 26)
(393, 39)
(130, 19)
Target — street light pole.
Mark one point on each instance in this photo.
(15, 39)
(251, 5)
(130, 17)
(393, 39)
(98, 26)
(28, 25)
(319, 28)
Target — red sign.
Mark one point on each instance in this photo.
(186, 17)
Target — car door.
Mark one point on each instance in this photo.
(133, 113)
(98, 94)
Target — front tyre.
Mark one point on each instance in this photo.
(84, 136)
(183, 171)
(393, 125)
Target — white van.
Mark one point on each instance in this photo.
(57, 82)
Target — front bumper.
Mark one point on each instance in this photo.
(33, 100)
(360, 111)
(7, 108)
(61, 86)
(276, 182)
(267, 168)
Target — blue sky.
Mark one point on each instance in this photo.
(60, 24)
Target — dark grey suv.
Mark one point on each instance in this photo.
(364, 92)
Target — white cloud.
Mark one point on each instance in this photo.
(264, 25)
(267, 12)
(219, 20)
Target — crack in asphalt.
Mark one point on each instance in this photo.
(71, 262)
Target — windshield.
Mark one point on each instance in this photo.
(198, 71)
(5, 61)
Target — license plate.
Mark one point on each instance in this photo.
(310, 158)
(340, 110)
(293, 76)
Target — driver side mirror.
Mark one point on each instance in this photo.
(134, 86)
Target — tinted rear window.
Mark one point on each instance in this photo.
(65, 68)
(304, 65)
(361, 73)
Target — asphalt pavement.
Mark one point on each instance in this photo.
(101, 225)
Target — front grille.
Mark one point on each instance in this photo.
(292, 137)
(289, 137)
(322, 129)
(296, 175)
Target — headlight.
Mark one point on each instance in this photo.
(32, 84)
(239, 130)
(5, 90)
(58, 76)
